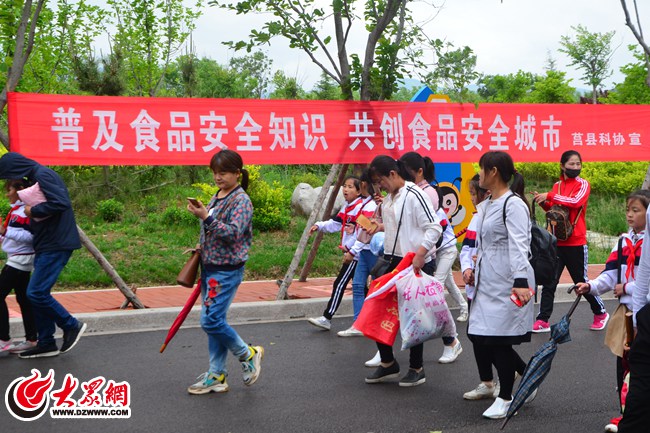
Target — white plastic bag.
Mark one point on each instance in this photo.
(423, 311)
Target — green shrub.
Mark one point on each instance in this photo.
(176, 216)
(618, 178)
(5, 207)
(312, 179)
(110, 210)
(271, 202)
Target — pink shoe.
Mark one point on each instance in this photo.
(541, 326)
(600, 321)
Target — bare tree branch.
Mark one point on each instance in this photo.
(638, 34)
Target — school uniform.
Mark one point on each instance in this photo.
(347, 215)
(636, 417)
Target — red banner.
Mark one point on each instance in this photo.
(102, 130)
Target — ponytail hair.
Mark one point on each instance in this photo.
(382, 165)
(365, 177)
(414, 162)
(506, 168)
(429, 170)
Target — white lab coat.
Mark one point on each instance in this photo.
(502, 257)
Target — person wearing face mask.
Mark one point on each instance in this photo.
(570, 191)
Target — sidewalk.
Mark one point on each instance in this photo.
(255, 301)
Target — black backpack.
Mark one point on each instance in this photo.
(543, 250)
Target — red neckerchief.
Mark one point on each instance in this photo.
(631, 257)
(348, 208)
(5, 223)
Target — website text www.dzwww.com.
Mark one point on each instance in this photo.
(90, 413)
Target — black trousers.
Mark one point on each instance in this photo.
(12, 278)
(505, 359)
(575, 260)
(416, 353)
(338, 288)
(636, 418)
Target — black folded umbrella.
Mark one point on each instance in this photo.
(540, 363)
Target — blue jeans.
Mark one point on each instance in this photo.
(221, 336)
(366, 261)
(47, 310)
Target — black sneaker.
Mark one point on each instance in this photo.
(413, 378)
(40, 352)
(71, 337)
(382, 374)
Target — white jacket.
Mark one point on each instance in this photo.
(17, 241)
(420, 225)
(503, 253)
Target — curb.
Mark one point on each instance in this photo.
(156, 319)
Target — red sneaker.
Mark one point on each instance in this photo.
(600, 321)
(541, 326)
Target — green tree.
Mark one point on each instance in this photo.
(326, 89)
(149, 34)
(254, 73)
(454, 71)
(404, 94)
(637, 31)
(391, 45)
(634, 88)
(36, 43)
(286, 87)
(506, 88)
(553, 88)
(591, 53)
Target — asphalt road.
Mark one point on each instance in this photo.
(312, 381)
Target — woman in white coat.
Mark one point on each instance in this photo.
(502, 271)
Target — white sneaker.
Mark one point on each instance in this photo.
(321, 322)
(464, 315)
(498, 410)
(482, 391)
(450, 353)
(374, 362)
(350, 332)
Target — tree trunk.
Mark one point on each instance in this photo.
(21, 54)
(300, 249)
(594, 95)
(119, 282)
(328, 211)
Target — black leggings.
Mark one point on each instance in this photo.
(416, 353)
(12, 278)
(575, 260)
(506, 361)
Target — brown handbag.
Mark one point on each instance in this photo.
(187, 275)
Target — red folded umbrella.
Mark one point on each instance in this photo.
(182, 315)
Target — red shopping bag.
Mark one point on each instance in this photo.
(379, 316)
